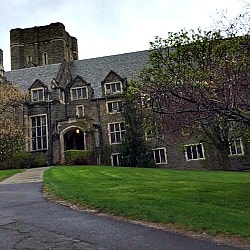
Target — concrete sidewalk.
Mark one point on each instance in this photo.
(28, 176)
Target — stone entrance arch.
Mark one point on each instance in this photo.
(72, 138)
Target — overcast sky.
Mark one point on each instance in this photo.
(106, 27)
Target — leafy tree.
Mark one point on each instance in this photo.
(11, 126)
(202, 77)
(135, 150)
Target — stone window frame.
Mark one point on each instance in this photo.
(113, 88)
(78, 113)
(116, 134)
(37, 133)
(195, 150)
(236, 147)
(109, 104)
(81, 96)
(160, 155)
(37, 90)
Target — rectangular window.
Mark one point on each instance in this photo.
(45, 58)
(236, 147)
(194, 152)
(116, 132)
(113, 88)
(39, 133)
(160, 155)
(80, 111)
(79, 93)
(37, 95)
(114, 107)
(115, 159)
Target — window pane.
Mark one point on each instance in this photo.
(122, 126)
(194, 152)
(40, 94)
(117, 127)
(39, 143)
(74, 94)
(189, 153)
(44, 142)
(118, 136)
(113, 88)
(238, 146)
(112, 138)
(84, 92)
(157, 156)
(112, 127)
(118, 86)
(233, 149)
(33, 144)
(110, 107)
(38, 122)
(162, 153)
(200, 153)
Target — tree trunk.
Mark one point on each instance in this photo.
(225, 160)
(224, 151)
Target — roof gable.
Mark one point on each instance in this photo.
(37, 84)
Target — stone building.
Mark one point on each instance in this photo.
(76, 104)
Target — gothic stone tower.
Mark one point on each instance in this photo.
(41, 46)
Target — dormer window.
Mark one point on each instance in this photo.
(79, 93)
(37, 95)
(113, 88)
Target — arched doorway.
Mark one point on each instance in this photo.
(74, 139)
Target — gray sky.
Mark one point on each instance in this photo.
(106, 27)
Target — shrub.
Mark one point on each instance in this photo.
(78, 157)
(24, 159)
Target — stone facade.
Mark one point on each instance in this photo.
(77, 105)
(1, 67)
(41, 46)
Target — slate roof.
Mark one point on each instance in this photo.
(92, 70)
(24, 78)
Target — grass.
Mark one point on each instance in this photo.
(217, 202)
(7, 173)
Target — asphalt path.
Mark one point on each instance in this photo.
(29, 221)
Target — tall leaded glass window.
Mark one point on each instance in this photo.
(39, 133)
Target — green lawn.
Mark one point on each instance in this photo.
(217, 202)
(7, 173)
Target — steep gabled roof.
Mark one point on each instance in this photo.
(24, 78)
(92, 70)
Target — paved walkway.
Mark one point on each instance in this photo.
(29, 221)
(29, 175)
